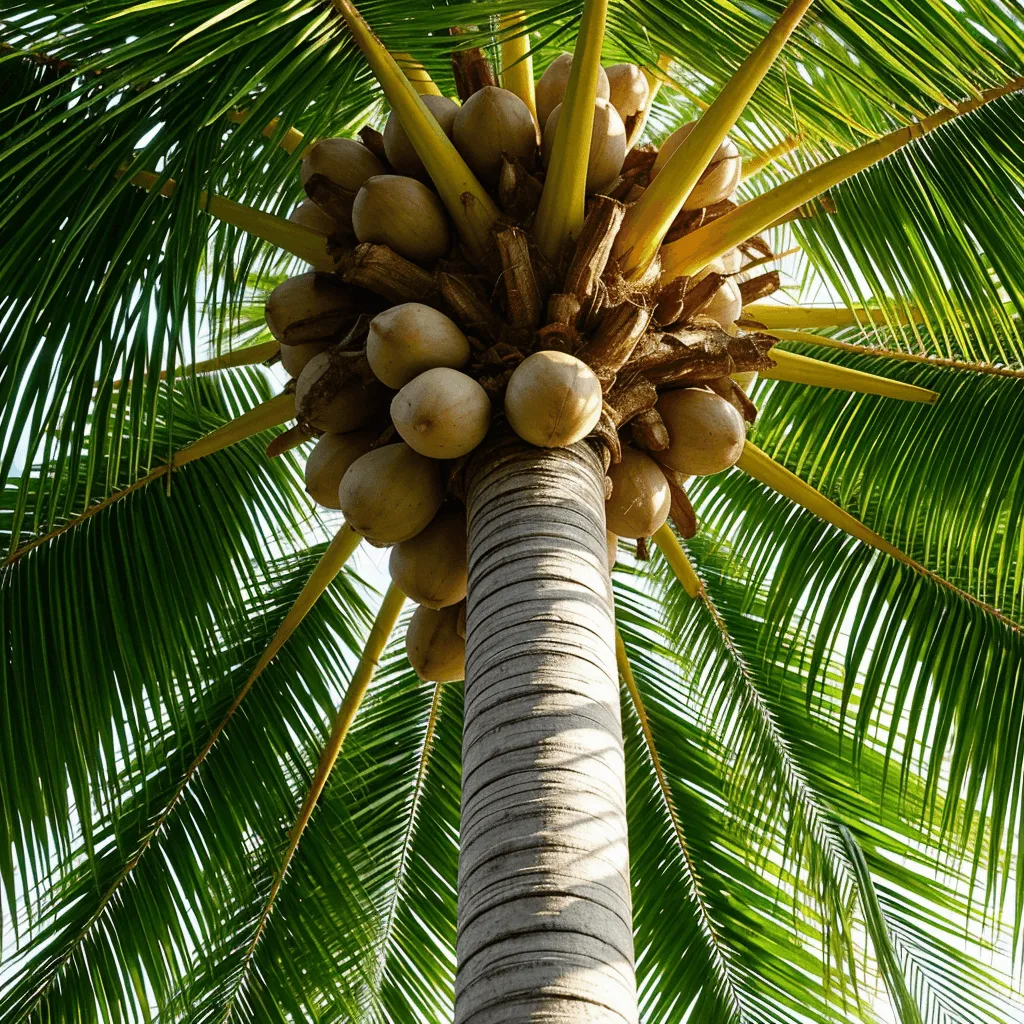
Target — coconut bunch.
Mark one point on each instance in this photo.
(424, 341)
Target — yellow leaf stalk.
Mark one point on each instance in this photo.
(307, 244)
(469, 205)
(265, 416)
(517, 62)
(791, 366)
(759, 161)
(560, 213)
(648, 220)
(290, 141)
(764, 468)
(417, 75)
(772, 315)
(381, 630)
(679, 561)
(693, 252)
(252, 355)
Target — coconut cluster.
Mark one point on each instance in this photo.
(408, 356)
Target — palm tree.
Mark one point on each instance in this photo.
(768, 770)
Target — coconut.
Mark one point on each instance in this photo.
(295, 358)
(410, 338)
(613, 548)
(309, 215)
(607, 144)
(641, 498)
(732, 261)
(330, 458)
(551, 86)
(404, 214)
(400, 151)
(717, 182)
(628, 89)
(553, 399)
(335, 392)
(391, 493)
(436, 651)
(491, 124)
(442, 413)
(725, 306)
(430, 568)
(333, 171)
(706, 433)
(310, 307)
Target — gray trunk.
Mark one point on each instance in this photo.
(545, 921)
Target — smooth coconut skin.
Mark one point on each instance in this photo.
(399, 150)
(551, 86)
(309, 215)
(641, 498)
(430, 568)
(553, 399)
(310, 307)
(607, 144)
(391, 493)
(494, 123)
(720, 179)
(613, 548)
(628, 89)
(408, 339)
(725, 306)
(404, 214)
(345, 164)
(436, 651)
(706, 433)
(295, 358)
(328, 462)
(442, 413)
(347, 408)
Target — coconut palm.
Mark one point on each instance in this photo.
(768, 769)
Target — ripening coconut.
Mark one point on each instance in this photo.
(706, 433)
(436, 651)
(494, 122)
(725, 306)
(410, 338)
(553, 399)
(641, 498)
(330, 399)
(310, 307)
(294, 358)
(746, 379)
(613, 548)
(628, 89)
(309, 215)
(330, 458)
(607, 144)
(400, 152)
(430, 568)
(717, 182)
(391, 493)
(551, 86)
(333, 171)
(442, 413)
(732, 261)
(404, 214)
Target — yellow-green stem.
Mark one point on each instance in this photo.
(679, 561)
(693, 252)
(791, 366)
(417, 75)
(772, 315)
(759, 161)
(517, 62)
(648, 220)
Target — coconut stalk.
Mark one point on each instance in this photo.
(691, 253)
(759, 161)
(307, 244)
(560, 214)
(383, 626)
(417, 75)
(271, 413)
(470, 206)
(772, 315)
(679, 561)
(290, 141)
(648, 220)
(804, 338)
(252, 355)
(798, 369)
(517, 61)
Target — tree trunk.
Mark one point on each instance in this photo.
(545, 919)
